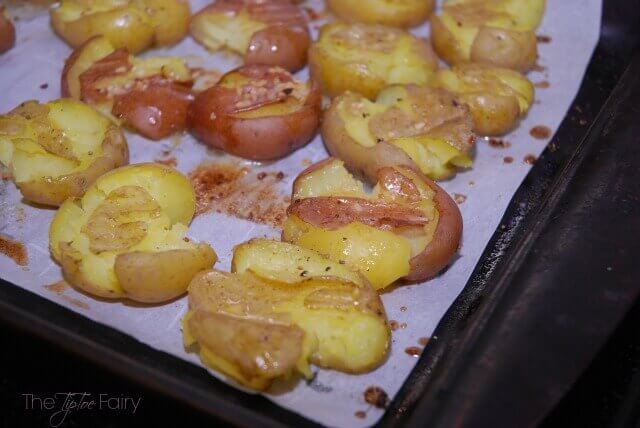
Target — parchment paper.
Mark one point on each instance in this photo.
(332, 398)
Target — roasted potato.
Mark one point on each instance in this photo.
(269, 32)
(406, 228)
(134, 25)
(55, 151)
(365, 58)
(406, 13)
(282, 308)
(149, 95)
(7, 31)
(125, 238)
(256, 112)
(497, 97)
(405, 125)
(496, 32)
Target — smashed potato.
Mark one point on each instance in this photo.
(365, 58)
(406, 228)
(282, 308)
(131, 24)
(496, 32)
(125, 238)
(405, 125)
(150, 95)
(256, 112)
(55, 151)
(497, 97)
(406, 13)
(7, 31)
(269, 32)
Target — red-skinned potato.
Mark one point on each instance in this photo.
(406, 228)
(149, 95)
(270, 32)
(406, 124)
(7, 32)
(256, 112)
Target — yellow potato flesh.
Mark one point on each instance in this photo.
(381, 256)
(284, 262)
(93, 51)
(52, 140)
(139, 208)
(435, 156)
(365, 58)
(463, 18)
(217, 31)
(131, 24)
(475, 79)
(343, 325)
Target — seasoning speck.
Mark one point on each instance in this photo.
(498, 143)
(459, 198)
(44, 86)
(541, 38)
(530, 159)
(423, 341)
(403, 308)
(376, 396)
(414, 351)
(507, 159)
(360, 414)
(542, 85)
(540, 132)
(393, 325)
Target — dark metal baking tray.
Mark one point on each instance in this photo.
(551, 286)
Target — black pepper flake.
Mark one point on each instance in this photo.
(44, 86)
(304, 273)
(287, 91)
(327, 269)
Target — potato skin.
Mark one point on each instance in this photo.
(55, 190)
(279, 46)
(156, 112)
(158, 277)
(446, 239)
(360, 74)
(7, 32)
(281, 37)
(497, 97)
(134, 27)
(385, 12)
(213, 120)
(517, 50)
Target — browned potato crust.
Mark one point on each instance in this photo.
(256, 112)
(269, 32)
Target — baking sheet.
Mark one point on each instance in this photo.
(32, 71)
